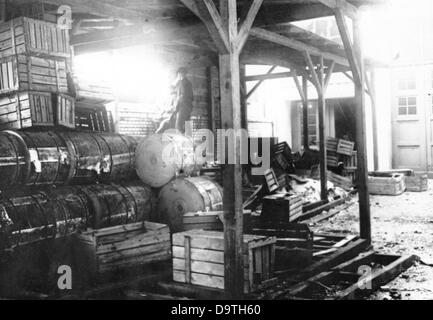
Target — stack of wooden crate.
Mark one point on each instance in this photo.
(34, 62)
(198, 259)
(91, 111)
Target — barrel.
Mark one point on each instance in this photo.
(64, 158)
(159, 158)
(46, 214)
(185, 195)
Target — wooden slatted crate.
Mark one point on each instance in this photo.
(22, 73)
(392, 185)
(121, 247)
(331, 144)
(281, 207)
(209, 220)
(93, 117)
(33, 37)
(345, 147)
(332, 159)
(26, 109)
(93, 93)
(198, 259)
(64, 112)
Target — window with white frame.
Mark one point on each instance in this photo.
(407, 106)
(408, 83)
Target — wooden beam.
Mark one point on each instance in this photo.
(314, 77)
(305, 113)
(3, 10)
(300, 88)
(208, 13)
(321, 102)
(260, 79)
(247, 23)
(351, 78)
(296, 45)
(329, 72)
(344, 33)
(361, 141)
(232, 173)
(370, 85)
(270, 76)
(347, 8)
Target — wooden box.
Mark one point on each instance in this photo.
(26, 109)
(36, 10)
(121, 247)
(392, 186)
(198, 258)
(345, 147)
(210, 220)
(331, 144)
(93, 93)
(416, 183)
(22, 73)
(64, 110)
(33, 37)
(281, 207)
(93, 118)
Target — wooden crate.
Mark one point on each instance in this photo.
(36, 10)
(26, 109)
(393, 185)
(281, 207)
(416, 183)
(331, 144)
(332, 159)
(33, 37)
(22, 73)
(64, 110)
(93, 93)
(345, 147)
(210, 220)
(93, 118)
(198, 259)
(121, 247)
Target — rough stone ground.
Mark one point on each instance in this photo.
(401, 225)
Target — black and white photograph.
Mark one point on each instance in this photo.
(235, 153)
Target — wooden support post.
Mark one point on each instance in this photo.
(243, 93)
(305, 113)
(364, 199)
(223, 29)
(321, 103)
(370, 86)
(3, 10)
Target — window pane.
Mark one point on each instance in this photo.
(411, 85)
(401, 101)
(402, 111)
(411, 101)
(412, 110)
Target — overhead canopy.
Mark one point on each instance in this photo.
(108, 24)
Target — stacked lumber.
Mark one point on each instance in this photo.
(198, 259)
(121, 247)
(416, 183)
(34, 62)
(392, 185)
(281, 207)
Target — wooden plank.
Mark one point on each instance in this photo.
(260, 80)
(247, 23)
(296, 45)
(378, 278)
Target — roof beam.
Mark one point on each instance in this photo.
(297, 45)
(270, 76)
(208, 13)
(347, 8)
(260, 81)
(247, 23)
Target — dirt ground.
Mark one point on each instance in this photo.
(401, 225)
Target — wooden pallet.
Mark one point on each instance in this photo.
(24, 73)
(352, 279)
(33, 37)
(198, 259)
